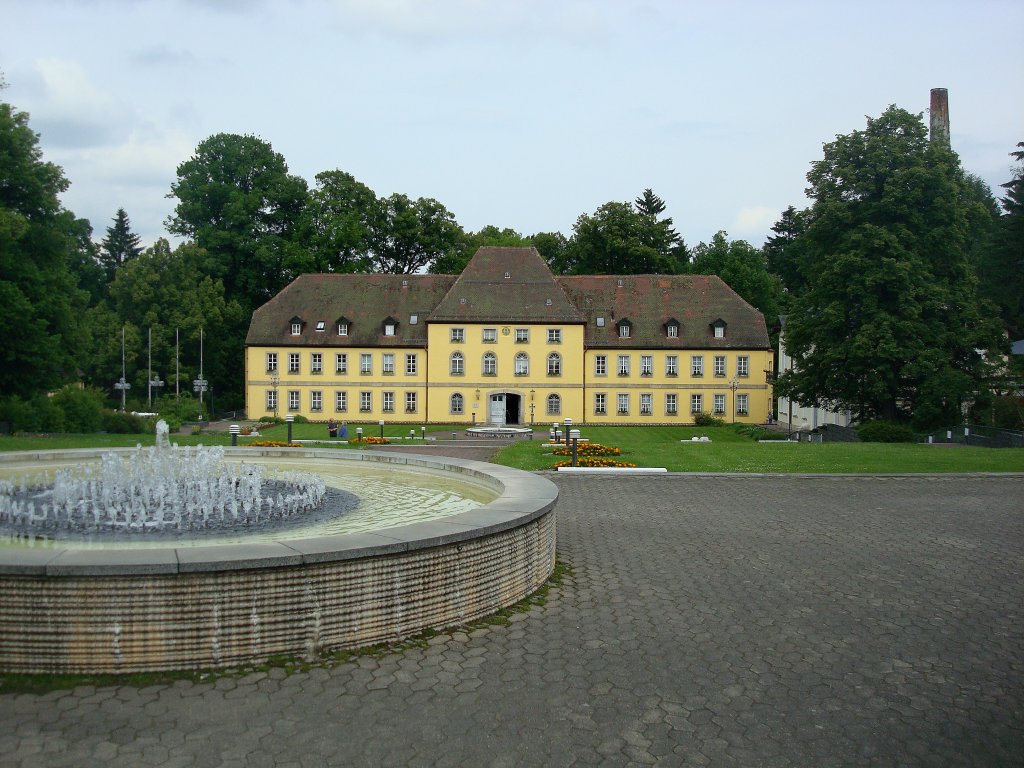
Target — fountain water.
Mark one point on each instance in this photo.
(157, 490)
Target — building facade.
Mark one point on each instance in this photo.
(506, 342)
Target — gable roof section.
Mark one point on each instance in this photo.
(482, 293)
(649, 301)
(364, 300)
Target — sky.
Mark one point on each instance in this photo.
(517, 113)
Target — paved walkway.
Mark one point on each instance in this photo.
(708, 621)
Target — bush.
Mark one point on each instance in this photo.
(83, 408)
(125, 423)
(707, 420)
(885, 432)
(300, 419)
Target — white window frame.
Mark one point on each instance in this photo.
(554, 335)
(340, 401)
(554, 364)
(296, 329)
(622, 404)
(387, 402)
(316, 362)
(646, 404)
(743, 366)
(411, 364)
(719, 331)
(457, 335)
(388, 364)
(316, 400)
(457, 403)
(624, 331)
(742, 405)
(600, 404)
(696, 366)
(671, 365)
(671, 404)
(294, 362)
(457, 364)
(341, 362)
(271, 399)
(672, 331)
(489, 364)
(522, 364)
(696, 403)
(554, 405)
(365, 401)
(271, 362)
(646, 365)
(365, 364)
(294, 399)
(720, 367)
(343, 329)
(718, 408)
(522, 335)
(622, 365)
(410, 402)
(490, 336)
(389, 329)
(600, 365)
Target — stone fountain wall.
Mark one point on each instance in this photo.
(125, 611)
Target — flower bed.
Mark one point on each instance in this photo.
(588, 450)
(370, 440)
(271, 444)
(594, 461)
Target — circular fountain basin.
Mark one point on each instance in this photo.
(498, 431)
(69, 607)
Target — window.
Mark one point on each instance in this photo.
(741, 405)
(365, 402)
(296, 329)
(293, 362)
(671, 365)
(316, 362)
(522, 364)
(410, 364)
(272, 400)
(389, 329)
(341, 362)
(490, 364)
(365, 363)
(623, 365)
(671, 405)
(646, 365)
(490, 335)
(624, 331)
(457, 364)
(743, 365)
(645, 405)
(388, 402)
(719, 404)
(457, 403)
(343, 329)
(719, 365)
(316, 400)
(623, 405)
(697, 365)
(522, 335)
(321, 325)
(600, 404)
(672, 331)
(719, 331)
(293, 399)
(554, 405)
(554, 335)
(458, 335)
(340, 401)
(696, 403)
(271, 362)
(600, 322)
(600, 365)
(554, 364)
(413, 319)
(388, 364)
(410, 402)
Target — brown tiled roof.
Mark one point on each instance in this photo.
(365, 301)
(648, 302)
(482, 293)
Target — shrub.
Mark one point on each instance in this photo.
(300, 419)
(885, 432)
(707, 420)
(83, 408)
(124, 423)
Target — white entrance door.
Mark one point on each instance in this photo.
(497, 409)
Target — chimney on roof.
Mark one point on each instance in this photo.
(940, 116)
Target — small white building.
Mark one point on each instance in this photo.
(802, 417)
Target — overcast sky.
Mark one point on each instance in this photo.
(521, 113)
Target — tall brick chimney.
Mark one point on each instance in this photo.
(940, 116)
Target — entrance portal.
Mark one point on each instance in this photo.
(505, 408)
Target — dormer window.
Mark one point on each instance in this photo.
(672, 329)
(718, 327)
(390, 324)
(625, 329)
(296, 325)
(342, 325)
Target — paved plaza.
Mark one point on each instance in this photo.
(724, 621)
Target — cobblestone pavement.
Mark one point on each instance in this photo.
(708, 621)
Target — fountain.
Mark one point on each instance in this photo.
(165, 558)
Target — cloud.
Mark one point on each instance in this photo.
(753, 221)
(161, 55)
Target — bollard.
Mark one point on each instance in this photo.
(453, 435)
(412, 434)
(575, 436)
(423, 433)
(381, 422)
(289, 419)
(234, 430)
(359, 434)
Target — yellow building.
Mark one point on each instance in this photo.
(506, 342)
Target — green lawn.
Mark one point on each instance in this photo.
(731, 452)
(643, 446)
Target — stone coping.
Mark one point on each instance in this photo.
(522, 498)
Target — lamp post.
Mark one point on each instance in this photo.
(734, 385)
(122, 384)
(533, 393)
(199, 385)
(275, 382)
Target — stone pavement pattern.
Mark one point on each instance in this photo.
(708, 621)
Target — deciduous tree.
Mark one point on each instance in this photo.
(410, 235)
(744, 268)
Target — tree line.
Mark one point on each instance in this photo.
(898, 280)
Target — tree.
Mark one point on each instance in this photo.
(238, 202)
(553, 247)
(744, 268)
(40, 302)
(1002, 271)
(410, 235)
(119, 246)
(889, 324)
(661, 235)
(617, 239)
(781, 250)
(338, 224)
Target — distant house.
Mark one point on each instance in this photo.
(791, 413)
(507, 342)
